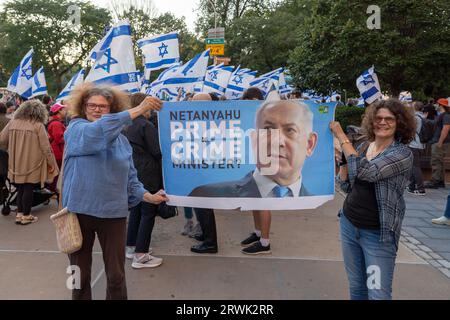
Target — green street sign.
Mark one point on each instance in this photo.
(215, 41)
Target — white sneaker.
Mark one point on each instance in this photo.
(129, 252)
(442, 220)
(146, 261)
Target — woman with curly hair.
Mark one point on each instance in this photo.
(31, 160)
(100, 181)
(375, 179)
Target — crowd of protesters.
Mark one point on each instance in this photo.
(108, 131)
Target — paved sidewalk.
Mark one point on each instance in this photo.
(306, 262)
(429, 241)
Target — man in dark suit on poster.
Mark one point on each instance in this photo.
(280, 155)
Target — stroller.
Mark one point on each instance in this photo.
(8, 192)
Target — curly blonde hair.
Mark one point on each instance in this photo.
(32, 110)
(117, 100)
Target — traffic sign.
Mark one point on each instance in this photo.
(215, 41)
(216, 49)
(225, 60)
(216, 33)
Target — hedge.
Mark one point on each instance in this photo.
(349, 116)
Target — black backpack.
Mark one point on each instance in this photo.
(426, 130)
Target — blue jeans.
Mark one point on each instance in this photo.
(369, 263)
(447, 208)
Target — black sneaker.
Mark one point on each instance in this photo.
(434, 185)
(256, 248)
(416, 192)
(419, 192)
(251, 239)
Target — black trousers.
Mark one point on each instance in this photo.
(416, 179)
(140, 226)
(24, 199)
(111, 235)
(207, 222)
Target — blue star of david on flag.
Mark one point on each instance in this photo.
(265, 84)
(132, 77)
(71, 83)
(367, 79)
(181, 91)
(26, 74)
(238, 79)
(214, 75)
(109, 61)
(163, 50)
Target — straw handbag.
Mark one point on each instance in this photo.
(68, 231)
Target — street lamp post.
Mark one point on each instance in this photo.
(215, 17)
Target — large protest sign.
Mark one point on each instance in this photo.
(247, 154)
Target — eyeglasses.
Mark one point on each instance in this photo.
(388, 120)
(93, 106)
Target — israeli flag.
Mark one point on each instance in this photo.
(283, 87)
(22, 81)
(239, 82)
(312, 95)
(217, 78)
(368, 86)
(265, 85)
(77, 79)
(145, 80)
(39, 85)
(100, 48)
(116, 65)
(12, 82)
(181, 79)
(160, 51)
(156, 86)
(405, 96)
(267, 80)
(360, 102)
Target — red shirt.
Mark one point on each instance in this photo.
(56, 130)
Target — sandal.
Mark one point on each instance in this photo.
(19, 218)
(28, 219)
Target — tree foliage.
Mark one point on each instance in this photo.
(409, 52)
(262, 40)
(45, 25)
(258, 34)
(226, 11)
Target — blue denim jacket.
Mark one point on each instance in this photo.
(390, 171)
(99, 176)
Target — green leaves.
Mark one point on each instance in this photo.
(335, 46)
(45, 25)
